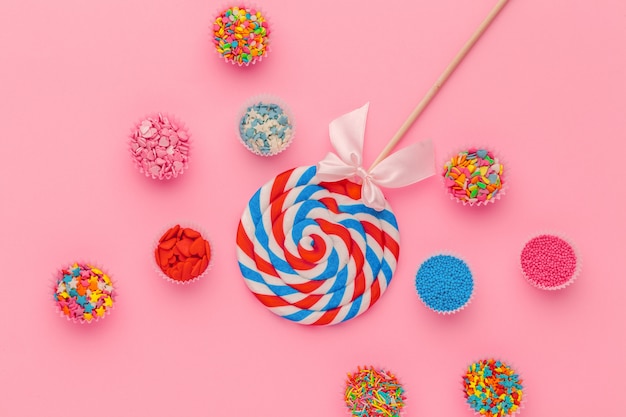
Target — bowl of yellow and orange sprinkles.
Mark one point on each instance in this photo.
(493, 389)
(241, 35)
(474, 177)
(83, 293)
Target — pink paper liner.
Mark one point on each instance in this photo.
(347, 411)
(504, 178)
(469, 300)
(53, 286)
(268, 99)
(576, 272)
(246, 5)
(183, 224)
(174, 120)
(522, 404)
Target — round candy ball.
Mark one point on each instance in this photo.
(444, 283)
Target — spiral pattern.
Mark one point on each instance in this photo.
(312, 252)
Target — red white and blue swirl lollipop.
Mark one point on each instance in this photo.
(313, 252)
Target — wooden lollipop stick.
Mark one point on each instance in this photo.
(440, 81)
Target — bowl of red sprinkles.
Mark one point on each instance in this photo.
(550, 261)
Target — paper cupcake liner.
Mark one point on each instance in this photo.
(183, 145)
(245, 5)
(55, 281)
(265, 99)
(348, 411)
(466, 303)
(203, 234)
(504, 178)
(575, 273)
(515, 369)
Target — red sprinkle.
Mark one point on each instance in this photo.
(549, 262)
(182, 254)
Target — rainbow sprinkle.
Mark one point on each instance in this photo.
(241, 35)
(492, 388)
(83, 293)
(473, 176)
(371, 393)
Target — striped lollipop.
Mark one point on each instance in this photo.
(312, 252)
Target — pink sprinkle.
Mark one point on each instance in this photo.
(549, 262)
(155, 142)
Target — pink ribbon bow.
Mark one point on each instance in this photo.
(404, 167)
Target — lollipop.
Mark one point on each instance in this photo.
(312, 252)
(319, 244)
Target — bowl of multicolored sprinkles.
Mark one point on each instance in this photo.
(474, 176)
(492, 388)
(374, 392)
(83, 293)
(241, 35)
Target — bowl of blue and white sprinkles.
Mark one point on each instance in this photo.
(265, 125)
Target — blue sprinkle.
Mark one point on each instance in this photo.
(81, 300)
(88, 308)
(444, 283)
(73, 293)
(481, 153)
(67, 279)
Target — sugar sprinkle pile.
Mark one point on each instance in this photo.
(265, 128)
(473, 176)
(492, 388)
(374, 393)
(241, 35)
(549, 262)
(182, 254)
(444, 283)
(160, 147)
(83, 292)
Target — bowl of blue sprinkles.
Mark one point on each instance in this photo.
(444, 283)
(265, 125)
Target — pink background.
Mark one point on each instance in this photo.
(544, 86)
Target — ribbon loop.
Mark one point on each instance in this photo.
(404, 167)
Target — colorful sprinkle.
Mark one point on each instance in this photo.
(492, 388)
(266, 128)
(374, 393)
(182, 254)
(160, 147)
(241, 35)
(83, 293)
(444, 283)
(474, 176)
(549, 262)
